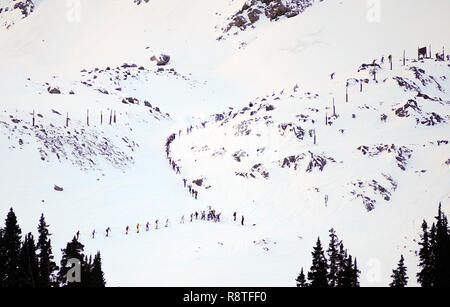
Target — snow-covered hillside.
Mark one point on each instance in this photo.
(296, 121)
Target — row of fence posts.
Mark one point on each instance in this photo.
(390, 62)
(112, 118)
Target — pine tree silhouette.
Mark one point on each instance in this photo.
(28, 263)
(399, 277)
(334, 259)
(441, 251)
(317, 274)
(2, 259)
(301, 280)
(73, 250)
(47, 267)
(11, 245)
(97, 275)
(434, 253)
(425, 276)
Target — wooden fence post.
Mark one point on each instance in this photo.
(334, 108)
(346, 92)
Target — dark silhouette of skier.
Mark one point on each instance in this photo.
(234, 215)
(126, 230)
(242, 221)
(192, 215)
(93, 234)
(107, 231)
(167, 223)
(147, 226)
(78, 235)
(156, 224)
(184, 181)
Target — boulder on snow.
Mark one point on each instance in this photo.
(162, 60)
(53, 90)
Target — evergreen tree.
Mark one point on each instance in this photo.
(2, 259)
(434, 253)
(11, 245)
(318, 272)
(97, 278)
(356, 274)
(425, 276)
(28, 263)
(301, 280)
(334, 259)
(441, 251)
(399, 277)
(342, 263)
(73, 250)
(47, 267)
(347, 274)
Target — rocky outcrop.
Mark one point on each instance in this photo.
(253, 10)
(8, 13)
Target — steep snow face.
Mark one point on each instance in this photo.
(85, 115)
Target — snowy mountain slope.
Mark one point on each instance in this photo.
(278, 158)
(121, 175)
(333, 36)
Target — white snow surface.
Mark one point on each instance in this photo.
(118, 175)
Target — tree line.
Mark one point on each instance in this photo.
(339, 270)
(30, 263)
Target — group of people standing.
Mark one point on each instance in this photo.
(212, 215)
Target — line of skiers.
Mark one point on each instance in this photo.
(194, 193)
(211, 216)
(175, 167)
